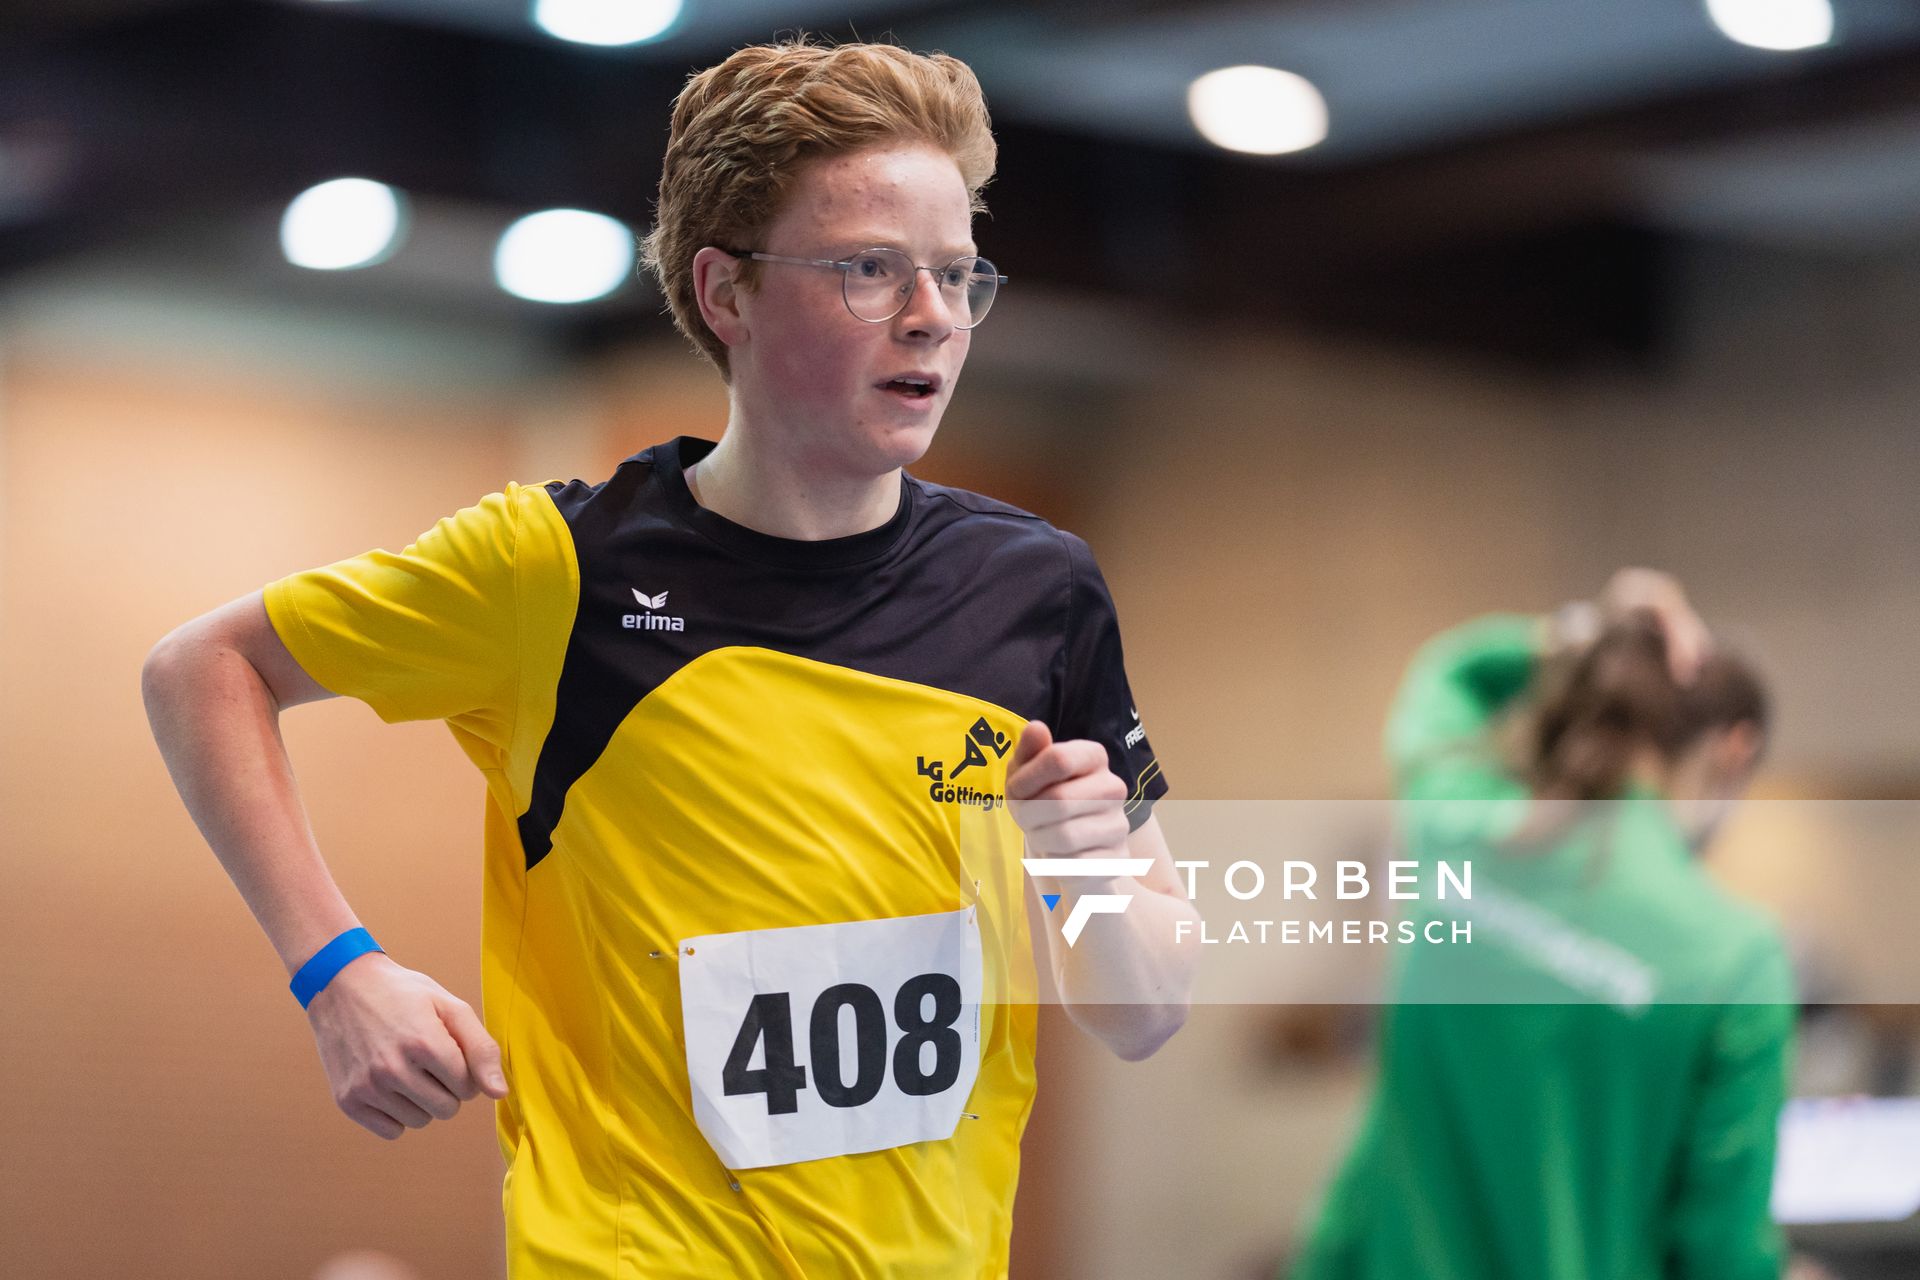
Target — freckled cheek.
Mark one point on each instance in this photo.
(814, 368)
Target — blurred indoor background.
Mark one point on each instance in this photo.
(1565, 285)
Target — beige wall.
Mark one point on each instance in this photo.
(166, 1111)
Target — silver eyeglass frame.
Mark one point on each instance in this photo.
(844, 265)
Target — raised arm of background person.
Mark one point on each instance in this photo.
(1438, 736)
(1457, 685)
(1455, 790)
(1720, 1226)
(398, 1049)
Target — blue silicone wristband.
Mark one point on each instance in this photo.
(316, 973)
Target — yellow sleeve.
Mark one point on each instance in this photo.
(430, 633)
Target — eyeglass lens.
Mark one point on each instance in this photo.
(880, 281)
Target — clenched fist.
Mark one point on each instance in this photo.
(399, 1049)
(1064, 797)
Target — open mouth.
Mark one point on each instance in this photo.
(909, 388)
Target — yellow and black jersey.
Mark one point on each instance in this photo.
(689, 728)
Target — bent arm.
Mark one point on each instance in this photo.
(399, 1050)
(214, 689)
(1129, 981)
(1457, 685)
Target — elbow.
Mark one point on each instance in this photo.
(1171, 1018)
(1147, 1032)
(156, 671)
(167, 664)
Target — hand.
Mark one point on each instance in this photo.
(1688, 640)
(399, 1049)
(1064, 797)
(1802, 1267)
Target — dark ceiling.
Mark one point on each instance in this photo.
(1531, 218)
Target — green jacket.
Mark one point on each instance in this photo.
(1608, 1110)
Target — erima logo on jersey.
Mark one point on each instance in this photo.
(651, 621)
(980, 738)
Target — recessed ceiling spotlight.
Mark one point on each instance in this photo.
(1780, 25)
(348, 222)
(1262, 111)
(564, 255)
(606, 22)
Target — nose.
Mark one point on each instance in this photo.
(927, 314)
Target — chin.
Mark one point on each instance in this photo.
(901, 445)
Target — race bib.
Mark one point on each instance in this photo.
(831, 1039)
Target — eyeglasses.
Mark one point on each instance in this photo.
(877, 283)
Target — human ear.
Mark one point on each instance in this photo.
(714, 289)
(1738, 752)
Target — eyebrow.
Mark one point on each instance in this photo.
(844, 246)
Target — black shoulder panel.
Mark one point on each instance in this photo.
(958, 592)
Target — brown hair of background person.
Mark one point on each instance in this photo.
(743, 130)
(1617, 700)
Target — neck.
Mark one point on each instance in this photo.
(1650, 771)
(775, 488)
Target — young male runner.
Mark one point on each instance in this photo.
(763, 724)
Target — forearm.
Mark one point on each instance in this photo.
(217, 725)
(1459, 682)
(1128, 979)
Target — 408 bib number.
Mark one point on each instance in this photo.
(825, 1040)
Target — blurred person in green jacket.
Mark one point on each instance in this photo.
(1590, 1088)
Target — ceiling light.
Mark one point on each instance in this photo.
(606, 22)
(1780, 25)
(1258, 110)
(348, 222)
(563, 255)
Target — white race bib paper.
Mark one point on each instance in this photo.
(830, 1039)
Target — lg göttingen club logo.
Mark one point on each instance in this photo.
(944, 786)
